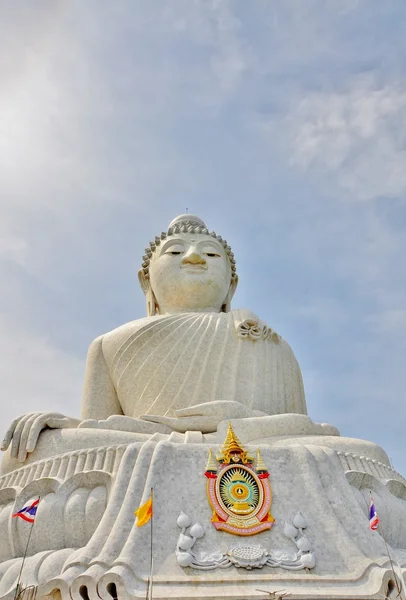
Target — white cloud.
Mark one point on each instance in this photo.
(35, 375)
(354, 138)
(112, 120)
(13, 248)
(391, 323)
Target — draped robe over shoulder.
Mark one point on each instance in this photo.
(163, 363)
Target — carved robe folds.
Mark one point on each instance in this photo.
(160, 364)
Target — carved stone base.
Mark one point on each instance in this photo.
(85, 542)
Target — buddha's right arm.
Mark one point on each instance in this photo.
(99, 402)
(101, 407)
(23, 433)
(99, 394)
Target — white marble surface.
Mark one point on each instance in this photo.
(158, 393)
(191, 350)
(188, 359)
(108, 549)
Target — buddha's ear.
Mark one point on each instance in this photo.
(231, 291)
(144, 281)
(149, 294)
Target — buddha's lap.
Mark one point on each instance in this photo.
(57, 442)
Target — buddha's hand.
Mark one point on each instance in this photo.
(24, 431)
(123, 423)
(204, 417)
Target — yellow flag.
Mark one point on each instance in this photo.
(144, 513)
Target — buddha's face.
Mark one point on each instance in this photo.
(190, 272)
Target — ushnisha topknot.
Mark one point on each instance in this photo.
(186, 224)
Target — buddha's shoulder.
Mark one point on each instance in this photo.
(123, 332)
(249, 325)
(110, 342)
(245, 322)
(131, 328)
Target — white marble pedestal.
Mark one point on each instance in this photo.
(85, 543)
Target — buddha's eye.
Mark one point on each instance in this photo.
(175, 250)
(212, 254)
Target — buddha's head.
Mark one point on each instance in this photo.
(188, 269)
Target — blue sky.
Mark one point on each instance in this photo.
(282, 124)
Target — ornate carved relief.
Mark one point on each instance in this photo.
(239, 493)
(250, 329)
(246, 556)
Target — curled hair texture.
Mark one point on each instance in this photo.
(187, 226)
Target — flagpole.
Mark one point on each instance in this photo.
(392, 566)
(398, 589)
(151, 559)
(24, 557)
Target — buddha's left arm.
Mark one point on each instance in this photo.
(298, 393)
(204, 417)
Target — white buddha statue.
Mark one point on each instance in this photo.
(191, 363)
(158, 395)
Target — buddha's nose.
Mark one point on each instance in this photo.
(194, 258)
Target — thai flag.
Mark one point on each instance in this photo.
(28, 512)
(373, 517)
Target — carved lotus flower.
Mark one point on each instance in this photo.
(185, 542)
(249, 329)
(290, 531)
(183, 520)
(248, 557)
(303, 544)
(308, 560)
(197, 530)
(184, 558)
(299, 521)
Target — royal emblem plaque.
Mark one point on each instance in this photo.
(238, 489)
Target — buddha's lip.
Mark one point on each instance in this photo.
(194, 267)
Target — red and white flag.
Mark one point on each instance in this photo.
(373, 517)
